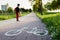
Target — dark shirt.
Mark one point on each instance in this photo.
(17, 9)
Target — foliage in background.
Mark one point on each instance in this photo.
(25, 10)
(37, 7)
(9, 10)
(11, 15)
(55, 4)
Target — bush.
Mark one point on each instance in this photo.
(9, 10)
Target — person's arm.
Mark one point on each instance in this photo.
(20, 14)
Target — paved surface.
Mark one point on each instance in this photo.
(27, 23)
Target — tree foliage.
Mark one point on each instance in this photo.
(9, 10)
(25, 10)
(38, 6)
(54, 5)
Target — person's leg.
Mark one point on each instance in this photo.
(17, 16)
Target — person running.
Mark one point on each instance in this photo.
(17, 12)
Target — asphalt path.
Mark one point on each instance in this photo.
(27, 28)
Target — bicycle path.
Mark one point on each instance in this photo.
(25, 25)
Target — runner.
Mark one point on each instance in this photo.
(17, 12)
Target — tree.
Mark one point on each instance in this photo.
(30, 10)
(37, 6)
(0, 11)
(54, 5)
(9, 10)
(48, 6)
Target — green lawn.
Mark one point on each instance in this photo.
(10, 16)
(53, 24)
(24, 13)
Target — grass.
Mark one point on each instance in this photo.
(53, 24)
(24, 13)
(10, 16)
(5, 17)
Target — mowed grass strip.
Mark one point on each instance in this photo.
(10, 16)
(5, 17)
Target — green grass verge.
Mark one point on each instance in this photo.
(53, 24)
(5, 17)
(10, 16)
(24, 13)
